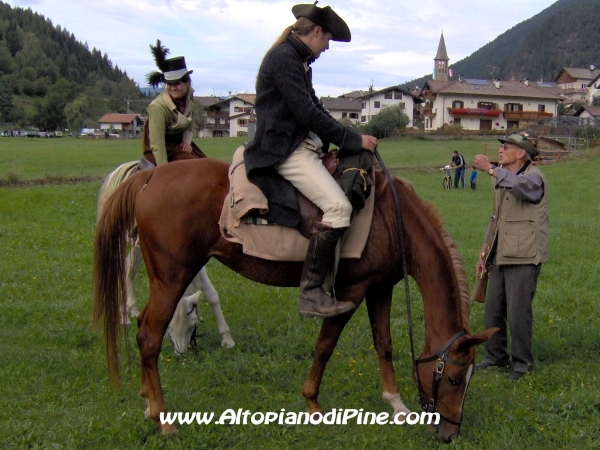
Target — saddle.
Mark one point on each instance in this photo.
(241, 221)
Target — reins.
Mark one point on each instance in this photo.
(438, 370)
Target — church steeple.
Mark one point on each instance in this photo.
(440, 71)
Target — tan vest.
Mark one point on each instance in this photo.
(522, 233)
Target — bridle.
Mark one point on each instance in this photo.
(429, 405)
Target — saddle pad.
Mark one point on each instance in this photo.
(276, 242)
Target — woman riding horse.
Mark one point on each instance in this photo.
(293, 129)
(169, 129)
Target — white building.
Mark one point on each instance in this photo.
(574, 82)
(227, 117)
(485, 104)
(129, 125)
(373, 102)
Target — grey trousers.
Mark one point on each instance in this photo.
(510, 293)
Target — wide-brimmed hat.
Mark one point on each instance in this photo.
(522, 141)
(326, 18)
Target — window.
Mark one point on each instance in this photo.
(457, 104)
(238, 109)
(363, 118)
(242, 133)
(354, 116)
(242, 122)
(388, 95)
(377, 105)
(541, 108)
(457, 121)
(363, 105)
(397, 95)
(512, 124)
(484, 124)
(485, 105)
(344, 114)
(513, 107)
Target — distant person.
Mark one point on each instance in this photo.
(473, 179)
(460, 165)
(293, 130)
(169, 129)
(518, 249)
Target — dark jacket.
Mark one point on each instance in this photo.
(287, 108)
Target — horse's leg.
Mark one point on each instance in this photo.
(132, 263)
(379, 302)
(201, 282)
(153, 323)
(331, 329)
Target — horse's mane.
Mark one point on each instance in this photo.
(434, 217)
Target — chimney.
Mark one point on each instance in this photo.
(526, 82)
(497, 83)
(460, 79)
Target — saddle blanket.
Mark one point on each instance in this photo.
(275, 242)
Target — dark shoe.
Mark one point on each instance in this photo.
(486, 364)
(516, 375)
(314, 301)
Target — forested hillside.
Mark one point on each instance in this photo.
(51, 80)
(566, 34)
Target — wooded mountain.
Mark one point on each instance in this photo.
(56, 81)
(566, 34)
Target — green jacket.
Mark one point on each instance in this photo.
(522, 232)
(168, 124)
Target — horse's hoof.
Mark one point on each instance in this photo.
(227, 342)
(168, 429)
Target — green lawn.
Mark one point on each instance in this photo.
(53, 382)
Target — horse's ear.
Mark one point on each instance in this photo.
(470, 341)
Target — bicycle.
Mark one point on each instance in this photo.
(447, 177)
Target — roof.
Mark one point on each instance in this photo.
(117, 118)
(387, 89)
(545, 90)
(441, 52)
(580, 74)
(248, 98)
(594, 80)
(341, 104)
(208, 101)
(354, 94)
(592, 110)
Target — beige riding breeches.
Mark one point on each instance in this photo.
(306, 172)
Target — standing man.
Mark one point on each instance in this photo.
(458, 161)
(518, 249)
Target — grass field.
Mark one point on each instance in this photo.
(53, 382)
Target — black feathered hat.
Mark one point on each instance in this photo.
(326, 18)
(171, 69)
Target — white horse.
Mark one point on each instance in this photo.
(182, 328)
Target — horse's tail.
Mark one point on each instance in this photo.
(115, 222)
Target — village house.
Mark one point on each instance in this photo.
(588, 115)
(227, 117)
(343, 107)
(594, 90)
(575, 84)
(130, 125)
(374, 101)
(476, 104)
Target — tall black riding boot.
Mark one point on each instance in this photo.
(314, 301)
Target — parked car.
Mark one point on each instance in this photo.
(71, 134)
(58, 134)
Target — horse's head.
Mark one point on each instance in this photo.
(443, 380)
(182, 328)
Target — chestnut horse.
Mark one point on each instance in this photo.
(177, 208)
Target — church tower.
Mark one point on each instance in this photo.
(440, 71)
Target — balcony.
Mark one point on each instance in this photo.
(429, 111)
(217, 126)
(220, 114)
(526, 115)
(474, 112)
